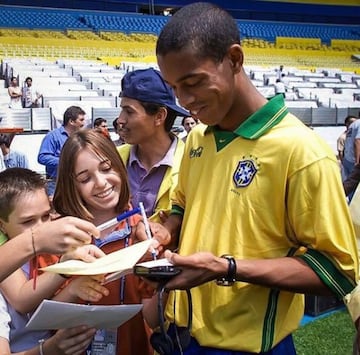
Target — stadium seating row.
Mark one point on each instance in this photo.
(116, 52)
(43, 119)
(96, 86)
(45, 18)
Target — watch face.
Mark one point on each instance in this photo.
(224, 282)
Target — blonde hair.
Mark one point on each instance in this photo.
(67, 200)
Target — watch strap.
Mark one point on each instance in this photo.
(230, 278)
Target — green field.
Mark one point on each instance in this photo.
(330, 335)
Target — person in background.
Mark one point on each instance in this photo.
(280, 72)
(188, 123)
(250, 241)
(12, 158)
(117, 129)
(52, 143)
(30, 95)
(15, 94)
(100, 124)
(352, 300)
(152, 154)
(340, 143)
(279, 87)
(352, 181)
(351, 147)
(2, 163)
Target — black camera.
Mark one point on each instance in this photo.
(160, 274)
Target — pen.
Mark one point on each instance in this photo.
(117, 219)
(147, 227)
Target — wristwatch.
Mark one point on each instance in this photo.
(230, 278)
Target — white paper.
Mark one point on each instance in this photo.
(121, 260)
(116, 275)
(153, 263)
(56, 315)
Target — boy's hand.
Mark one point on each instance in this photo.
(63, 234)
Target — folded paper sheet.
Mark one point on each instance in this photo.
(120, 261)
(57, 315)
(155, 263)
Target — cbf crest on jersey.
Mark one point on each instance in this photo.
(244, 173)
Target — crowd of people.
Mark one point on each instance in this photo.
(253, 217)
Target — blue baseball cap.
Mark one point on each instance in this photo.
(147, 85)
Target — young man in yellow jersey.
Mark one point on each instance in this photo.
(259, 213)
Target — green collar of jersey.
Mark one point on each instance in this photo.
(3, 238)
(256, 125)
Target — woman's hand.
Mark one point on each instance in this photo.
(72, 341)
(88, 253)
(88, 288)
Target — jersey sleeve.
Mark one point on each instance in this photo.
(320, 221)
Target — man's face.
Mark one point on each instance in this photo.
(203, 87)
(189, 124)
(136, 125)
(104, 127)
(32, 209)
(78, 123)
(29, 82)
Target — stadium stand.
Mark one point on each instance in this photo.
(95, 86)
(79, 57)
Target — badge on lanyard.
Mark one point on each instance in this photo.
(104, 342)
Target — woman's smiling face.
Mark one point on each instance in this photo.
(98, 183)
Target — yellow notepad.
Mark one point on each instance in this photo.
(120, 262)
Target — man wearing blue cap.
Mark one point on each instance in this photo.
(152, 154)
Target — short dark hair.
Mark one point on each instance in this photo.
(115, 124)
(98, 121)
(348, 119)
(5, 139)
(203, 27)
(72, 113)
(152, 109)
(28, 78)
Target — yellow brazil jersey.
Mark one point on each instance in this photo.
(251, 193)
